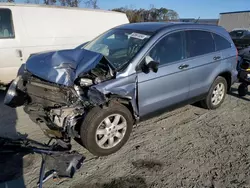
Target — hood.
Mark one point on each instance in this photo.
(64, 66)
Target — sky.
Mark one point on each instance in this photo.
(185, 8)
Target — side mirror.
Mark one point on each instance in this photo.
(150, 64)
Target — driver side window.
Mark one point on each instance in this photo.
(169, 49)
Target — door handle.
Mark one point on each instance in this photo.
(19, 53)
(184, 66)
(217, 58)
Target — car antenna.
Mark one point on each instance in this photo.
(197, 20)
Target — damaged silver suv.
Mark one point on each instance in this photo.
(96, 92)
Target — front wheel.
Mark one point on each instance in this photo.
(105, 130)
(216, 94)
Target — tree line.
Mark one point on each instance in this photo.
(68, 3)
(134, 15)
(149, 15)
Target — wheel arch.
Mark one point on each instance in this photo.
(127, 103)
(228, 76)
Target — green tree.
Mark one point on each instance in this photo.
(172, 15)
(153, 14)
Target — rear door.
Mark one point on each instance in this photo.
(10, 51)
(203, 60)
(228, 55)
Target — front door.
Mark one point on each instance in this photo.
(170, 85)
(10, 51)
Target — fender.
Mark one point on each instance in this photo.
(119, 88)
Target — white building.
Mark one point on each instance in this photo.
(235, 20)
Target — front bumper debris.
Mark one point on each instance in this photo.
(14, 96)
(57, 157)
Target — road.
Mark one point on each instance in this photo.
(188, 147)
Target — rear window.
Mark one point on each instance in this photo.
(221, 43)
(6, 26)
(199, 43)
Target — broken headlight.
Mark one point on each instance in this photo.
(85, 82)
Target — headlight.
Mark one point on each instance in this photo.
(85, 82)
(12, 90)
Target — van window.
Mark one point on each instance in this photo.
(6, 27)
(221, 43)
(199, 43)
(169, 49)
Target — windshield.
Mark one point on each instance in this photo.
(118, 46)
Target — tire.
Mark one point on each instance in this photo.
(242, 90)
(209, 102)
(95, 120)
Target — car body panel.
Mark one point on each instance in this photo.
(168, 86)
(122, 87)
(203, 70)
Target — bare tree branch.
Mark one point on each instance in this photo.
(70, 3)
(32, 1)
(7, 1)
(49, 2)
(91, 4)
(153, 14)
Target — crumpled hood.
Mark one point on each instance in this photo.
(64, 66)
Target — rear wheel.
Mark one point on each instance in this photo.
(216, 95)
(105, 131)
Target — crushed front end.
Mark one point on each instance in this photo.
(53, 107)
(58, 104)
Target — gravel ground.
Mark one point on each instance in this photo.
(188, 147)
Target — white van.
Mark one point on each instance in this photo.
(28, 29)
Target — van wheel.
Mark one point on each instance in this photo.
(105, 130)
(216, 94)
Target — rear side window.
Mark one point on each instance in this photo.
(221, 43)
(199, 43)
(6, 25)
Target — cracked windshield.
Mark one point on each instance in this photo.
(124, 94)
